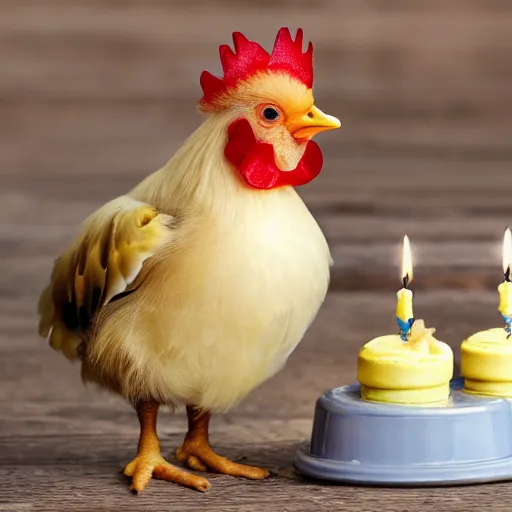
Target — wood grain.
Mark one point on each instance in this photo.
(96, 94)
(69, 443)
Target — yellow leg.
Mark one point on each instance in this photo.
(197, 453)
(149, 462)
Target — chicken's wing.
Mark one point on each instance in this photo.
(99, 267)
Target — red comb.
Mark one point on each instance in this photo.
(250, 58)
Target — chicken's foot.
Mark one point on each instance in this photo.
(197, 453)
(149, 461)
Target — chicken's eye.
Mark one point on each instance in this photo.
(270, 114)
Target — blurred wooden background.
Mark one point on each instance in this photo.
(95, 94)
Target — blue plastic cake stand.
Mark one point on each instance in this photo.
(468, 440)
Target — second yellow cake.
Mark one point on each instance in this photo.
(486, 363)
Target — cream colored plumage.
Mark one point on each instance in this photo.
(235, 278)
(222, 280)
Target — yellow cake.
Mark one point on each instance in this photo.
(417, 371)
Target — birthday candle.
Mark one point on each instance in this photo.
(404, 312)
(505, 288)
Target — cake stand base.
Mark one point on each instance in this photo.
(466, 441)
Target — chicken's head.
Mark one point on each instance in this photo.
(272, 114)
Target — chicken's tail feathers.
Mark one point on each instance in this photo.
(105, 259)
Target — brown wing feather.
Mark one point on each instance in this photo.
(101, 264)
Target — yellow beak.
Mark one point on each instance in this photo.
(306, 126)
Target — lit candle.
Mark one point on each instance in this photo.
(404, 314)
(416, 372)
(486, 356)
(505, 288)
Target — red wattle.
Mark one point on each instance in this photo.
(256, 163)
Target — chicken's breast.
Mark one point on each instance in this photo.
(220, 312)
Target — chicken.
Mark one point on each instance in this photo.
(195, 287)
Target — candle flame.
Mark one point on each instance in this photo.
(407, 270)
(507, 251)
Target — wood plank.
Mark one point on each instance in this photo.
(84, 493)
(92, 481)
(139, 136)
(38, 377)
(365, 210)
(442, 50)
(69, 443)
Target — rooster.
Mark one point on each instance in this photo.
(195, 287)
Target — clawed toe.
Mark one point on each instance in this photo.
(143, 467)
(205, 459)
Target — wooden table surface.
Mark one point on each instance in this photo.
(95, 94)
